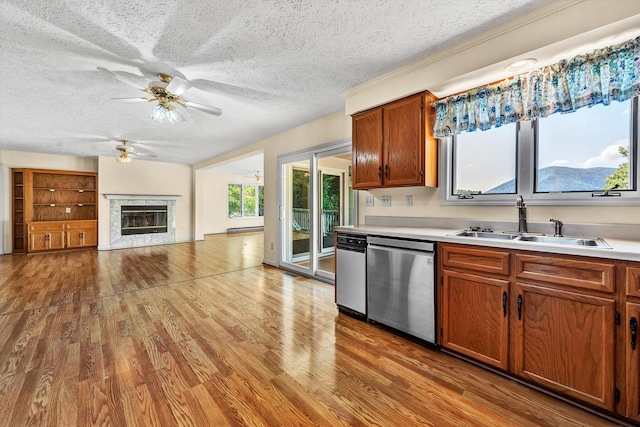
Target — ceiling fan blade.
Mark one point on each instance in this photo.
(122, 79)
(139, 154)
(178, 86)
(205, 108)
(133, 99)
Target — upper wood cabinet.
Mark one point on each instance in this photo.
(47, 208)
(393, 145)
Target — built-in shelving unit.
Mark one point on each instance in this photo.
(50, 207)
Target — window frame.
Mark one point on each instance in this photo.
(257, 201)
(526, 140)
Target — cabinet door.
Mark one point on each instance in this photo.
(367, 149)
(565, 341)
(81, 237)
(475, 319)
(404, 144)
(632, 349)
(45, 240)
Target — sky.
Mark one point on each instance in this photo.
(488, 157)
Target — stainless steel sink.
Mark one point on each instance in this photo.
(594, 242)
(572, 241)
(485, 235)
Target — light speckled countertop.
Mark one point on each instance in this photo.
(628, 250)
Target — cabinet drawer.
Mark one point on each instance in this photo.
(585, 273)
(633, 280)
(46, 226)
(81, 225)
(475, 258)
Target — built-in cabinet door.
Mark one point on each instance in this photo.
(79, 235)
(367, 149)
(46, 240)
(403, 136)
(475, 317)
(565, 341)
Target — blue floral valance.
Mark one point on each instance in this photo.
(602, 76)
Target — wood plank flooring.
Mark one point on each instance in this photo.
(202, 334)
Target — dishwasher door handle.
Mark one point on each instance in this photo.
(399, 250)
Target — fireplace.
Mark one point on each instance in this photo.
(147, 219)
(162, 234)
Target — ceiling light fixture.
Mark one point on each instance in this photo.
(124, 158)
(521, 65)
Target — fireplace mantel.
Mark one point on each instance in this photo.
(141, 197)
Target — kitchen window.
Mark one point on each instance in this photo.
(588, 157)
(245, 201)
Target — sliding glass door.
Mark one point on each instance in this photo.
(315, 197)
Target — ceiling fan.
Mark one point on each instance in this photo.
(126, 151)
(257, 176)
(167, 93)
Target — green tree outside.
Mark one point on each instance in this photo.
(621, 176)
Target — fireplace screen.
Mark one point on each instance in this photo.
(143, 219)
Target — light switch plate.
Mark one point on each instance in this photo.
(409, 200)
(368, 201)
(67, 210)
(386, 201)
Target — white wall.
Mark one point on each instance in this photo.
(145, 178)
(334, 127)
(22, 159)
(214, 200)
(426, 203)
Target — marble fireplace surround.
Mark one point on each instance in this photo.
(118, 241)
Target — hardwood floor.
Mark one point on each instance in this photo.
(202, 334)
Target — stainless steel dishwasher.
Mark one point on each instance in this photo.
(351, 276)
(401, 288)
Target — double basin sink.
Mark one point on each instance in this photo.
(594, 242)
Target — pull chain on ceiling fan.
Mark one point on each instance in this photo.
(167, 92)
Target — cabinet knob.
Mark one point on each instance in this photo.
(386, 171)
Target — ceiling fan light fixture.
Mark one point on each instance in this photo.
(158, 113)
(124, 158)
(172, 115)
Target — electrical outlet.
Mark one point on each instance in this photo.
(386, 201)
(409, 200)
(68, 210)
(368, 201)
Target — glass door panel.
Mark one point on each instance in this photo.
(315, 196)
(297, 219)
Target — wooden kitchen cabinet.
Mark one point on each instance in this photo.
(631, 342)
(559, 326)
(564, 340)
(393, 145)
(475, 317)
(474, 303)
(54, 209)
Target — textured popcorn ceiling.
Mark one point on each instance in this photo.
(270, 65)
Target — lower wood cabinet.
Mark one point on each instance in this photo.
(564, 341)
(56, 235)
(563, 322)
(475, 317)
(81, 234)
(631, 342)
(46, 236)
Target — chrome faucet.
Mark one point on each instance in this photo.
(558, 229)
(522, 215)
